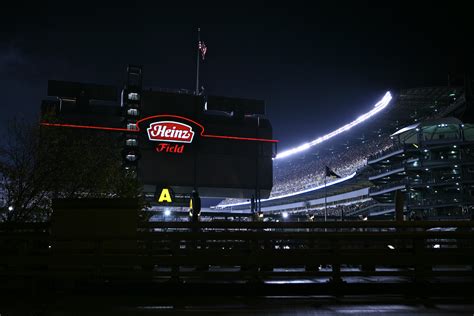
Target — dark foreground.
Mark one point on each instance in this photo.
(237, 305)
(240, 268)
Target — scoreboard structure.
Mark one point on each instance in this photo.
(218, 146)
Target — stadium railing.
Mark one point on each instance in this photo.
(247, 251)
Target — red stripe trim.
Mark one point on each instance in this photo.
(121, 129)
(104, 128)
(242, 138)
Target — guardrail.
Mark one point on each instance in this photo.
(245, 251)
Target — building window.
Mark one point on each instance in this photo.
(132, 126)
(132, 112)
(131, 157)
(133, 96)
(131, 142)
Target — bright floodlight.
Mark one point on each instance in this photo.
(10, 208)
(284, 214)
(391, 247)
(379, 106)
(167, 212)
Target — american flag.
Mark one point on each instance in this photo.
(202, 48)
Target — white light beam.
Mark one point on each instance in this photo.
(379, 106)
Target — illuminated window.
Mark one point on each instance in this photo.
(132, 112)
(131, 157)
(133, 96)
(131, 142)
(132, 126)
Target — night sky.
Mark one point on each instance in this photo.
(317, 66)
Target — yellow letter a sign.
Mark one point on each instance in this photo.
(165, 196)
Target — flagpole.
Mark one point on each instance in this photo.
(197, 62)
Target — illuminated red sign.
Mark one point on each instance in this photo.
(167, 148)
(170, 131)
(136, 128)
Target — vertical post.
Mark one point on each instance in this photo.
(325, 201)
(257, 171)
(399, 203)
(197, 61)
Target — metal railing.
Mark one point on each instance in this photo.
(244, 251)
(395, 147)
(436, 200)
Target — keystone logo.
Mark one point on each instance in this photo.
(170, 131)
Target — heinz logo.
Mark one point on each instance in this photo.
(170, 131)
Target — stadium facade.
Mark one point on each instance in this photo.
(432, 162)
(371, 154)
(173, 141)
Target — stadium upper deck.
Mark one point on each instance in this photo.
(348, 151)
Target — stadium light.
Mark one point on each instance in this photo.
(379, 106)
(167, 212)
(284, 214)
(10, 208)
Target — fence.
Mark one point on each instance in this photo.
(245, 251)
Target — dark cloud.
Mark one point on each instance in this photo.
(11, 58)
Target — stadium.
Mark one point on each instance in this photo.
(353, 172)
(236, 159)
(381, 204)
(353, 151)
